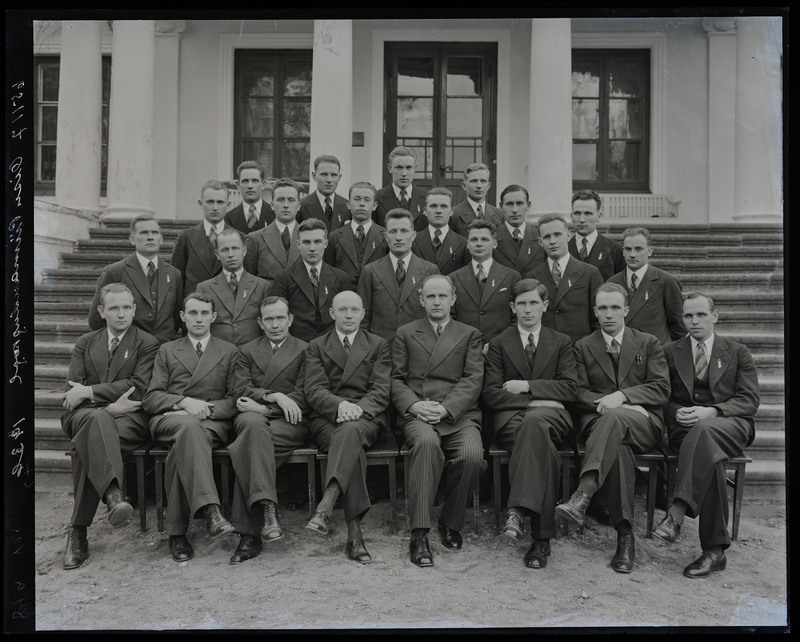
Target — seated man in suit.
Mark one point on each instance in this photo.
(436, 382)
(571, 284)
(438, 243)
(476, 184)
(588, 244)
(484, 286)
(310, 284)
(274, 248)
(157, 287)
(530, 375)
(623, 382)
(347, 386)
(360, 241)
(709, 419)
(191, 403)
(108, 373)
(402, 193)
(253, 213)
(270, 373)
(517, 244)
(655, 296)
(389, 287)
(235, 292)
(324, 203)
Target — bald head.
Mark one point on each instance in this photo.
(347, 311)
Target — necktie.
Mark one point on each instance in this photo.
(517, 236)
(314, 276)
(481, 274)
(285, 239)
(584, 253)
(113, 348)
(634, 279)
(403, 199)
(438, 330)
(530, 349)
(151, 272)
(360, 233)
(199, 350)
(251, 217)
(328, 209)
(480, 211)
(346, 344)
(437, 239)
(234, 283)
(400, 272)
(556, 274)
(700, 361)
(212, 237)
(613, 350)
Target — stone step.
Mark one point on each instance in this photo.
(60, 331)
(757, 342)
(50, 377)
(747, 300)
(769, 445)
(713, 281)
(765, 480)
(50, 436)
(66, 291)
(770, 364)
(743, 320)
(772, 389)
(771, 417)
(51, 353)
(115, 245)
(92, 259)
(693, 252)
(48, 403)
(680, 266)
(53, 461)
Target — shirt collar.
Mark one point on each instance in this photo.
(277, 345)
(511, 229)
(258, 205)
(523, 334)
(487, 265)
(607, 337)
(562, 263)
(227, 274)
(309, 266)
(321, 198)
(708, 343)
(350, 337)
(444, 231)
(366, 225)
(203, 342)
(639, 273)
(406, 260)
(441, 323)
(143, 261)
(474, 205)
(397, 191)
(280, 226)
(207, 226)
(109, 336)
(590, 240)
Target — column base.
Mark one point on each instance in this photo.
(124, 212)
(758, 217)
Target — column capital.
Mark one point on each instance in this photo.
(170, 27)
(720, 25)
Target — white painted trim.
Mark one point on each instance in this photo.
(228, 44)
(657, 44)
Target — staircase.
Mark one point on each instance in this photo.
(740, 266)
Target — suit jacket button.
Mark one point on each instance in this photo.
(235, 325)
(400, 310)
(556, 311)
(149, 315)
(483, 312)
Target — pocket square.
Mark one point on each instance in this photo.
(502, 289)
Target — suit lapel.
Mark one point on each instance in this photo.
(383, 269)
(349, 245)
(720, 356)
(628, 350)
(122, 355)
(197, 237)
(327, 280)
(493, 281)
(246, 288)
(372, 241)
(163, 283)
(410, 283)
(185, 353)
(684, 363)
(528, 249)
(452, 335)
(134, 270)
(570, 277)
(506, 245)
(98, 352)
(544, 352)
(447, 250)
(335, 350)
(597, 346)
(272, 237)
(300, 276)
(355, 356)
(513, 348)
(211, 357)
(470, 283)
(222, 289)
(425, 247)
(642, 291)
(276, 363)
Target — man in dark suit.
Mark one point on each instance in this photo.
(517, 239)
(436, 382)
(588, 244)
(709, 418)
(236, 293)
(483, 287)
(530, 375)
(571, 283)
(476, 184)
(402, 193)
(623, 382)
(274, 248)
(656, 302)
(324, 203)
(157, 287)
(438, 243)
(191, 403)
(390, 287)
(310, 284)
(108, 373)
(361, 240)
(347, 386)
(253, 213)
(194, 250)
(270, 373)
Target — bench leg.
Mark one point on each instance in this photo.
(406, 463)
(225, 479)
(159, 471)
(566, 470)
(140, 493)
(652, 480)
(738, 496)
(311, 471)
(390, 462)
(476, 507)
(497, 480)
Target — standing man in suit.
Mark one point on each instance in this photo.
(191, 403)
(390, 287)
(310, 285)
(484, 287)
(438, 243)
(347, 386)
(588, 244)
(571, 283)
(709, 418)
(360, 241)
(436, 381)
(623, 382)
(157, 287)
(194, 252)
(274, 248)
(253, 213)
(476, 184)
(517, 245)
(235, 292)
(656, 302)
(324, 203)
(270, 373)
(530, 375)
(108, 373)
(402, 193)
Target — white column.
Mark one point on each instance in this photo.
(721, 118)
(759, 148)
(131, 120)
(550, 142)
(79, 115)
(332, 95)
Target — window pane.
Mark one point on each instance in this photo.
(103, 163)
(296, 160)
(297, 119)
(262, 152)
(48, 167)
(585, 119)
(623, 119)
(423, 148)
(106, 80)
(623, 162)
(584, 162)
(104, 124)
(414, 117)
(259, 79)
(464, 76)
(298, 78)
(463, 153)
(415, 76)
(585, 79)
(49, 123)
(624, 78)
(257, 120)
(464, 116)
(50, 75)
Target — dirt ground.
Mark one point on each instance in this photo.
(305, 581)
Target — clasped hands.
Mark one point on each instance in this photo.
(291, 411)
(79, 393)
(691, 415)
(431, 412)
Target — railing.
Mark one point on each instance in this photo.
(639, 206)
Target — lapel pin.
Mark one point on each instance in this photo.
(646, 295)
(326, 290)
(639, 359)
(719, 363)
(451, 252)
(125, 356)
(413, 280)
(600, 256)
(529, 251)
(244, 295)
(167, 278)
(373, 246)
(492, 282)
(569, 283)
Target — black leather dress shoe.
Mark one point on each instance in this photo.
(419, 550)
(180, 548)
(249, 547)
(357, 551)
(216, 524)
(76, 551)
(668, 530)
(622, 562)
(272, 529)
(451, 539)
(706, 564)
(575, 508)
(119, 510)
(320, 523)
(513, 525)
(537, 554)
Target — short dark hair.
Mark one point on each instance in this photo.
(327, 158)
(286, 182)
(529, 285)
(700, 295)
(587, 195)
(481, 224)
(514, 188)
(439, 191)
(311, 224)
(610, 288)
(116, 288)
(251, 164)
(228, 231)
(550, 218)
(397, 213)
(271, 300)
(637, 231)
(142, 218)
(212, 184)
(362, 185)
(198, 296)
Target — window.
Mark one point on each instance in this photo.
(272, 117)
(610, 120)
(46, 80)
